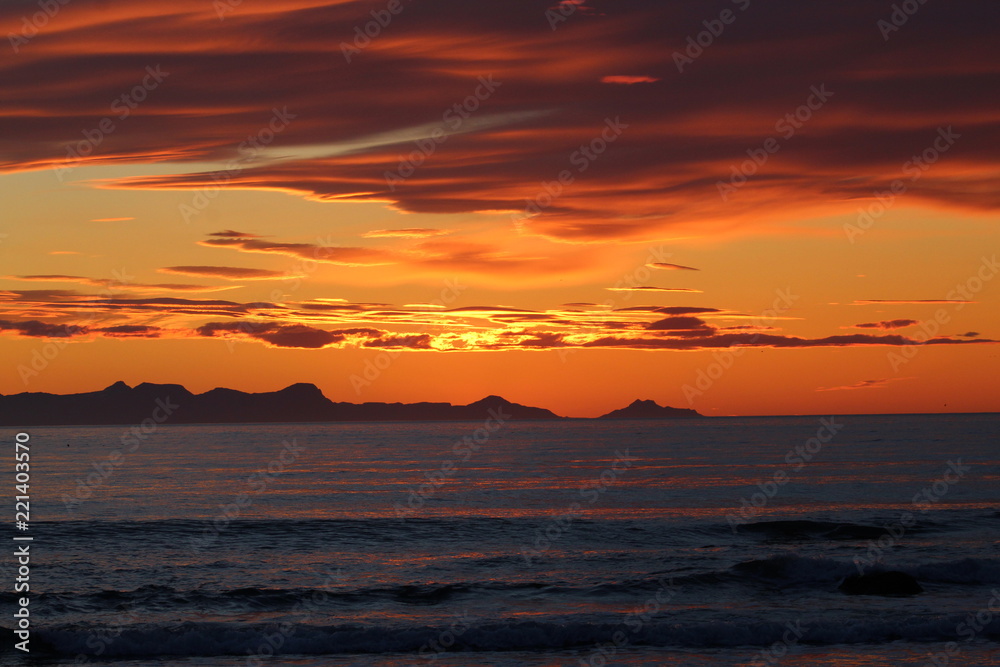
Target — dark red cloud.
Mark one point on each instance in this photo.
(314, 325)
(686, 310)
(414, 342)
(863, 384)
(408, 233)
(282, 335)
(677, 324)
(36, 329)
(130, 331)
(353, 120)
(771, 340)
(887, 324)
(671, 267)
(119, 285)
(872, 302)
(233, 234)
(228, 272)
(308, 251)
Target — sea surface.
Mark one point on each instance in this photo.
(700, 542)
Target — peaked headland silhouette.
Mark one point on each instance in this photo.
(650, 410)
(302, 402)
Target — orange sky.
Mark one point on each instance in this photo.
(492, 201)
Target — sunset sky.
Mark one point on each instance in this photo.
(731, 205)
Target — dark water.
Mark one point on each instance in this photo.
(711, 542)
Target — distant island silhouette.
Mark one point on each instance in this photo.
(174, 404)
(650, 410)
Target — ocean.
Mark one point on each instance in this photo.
(723, 541)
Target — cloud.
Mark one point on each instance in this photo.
(683, 135)
(872, 302)
(130, 331)
(299, 335)
(333, 322)
(410, 233)
(414, 342)
(36, 329)
(770, 341)
(627, 79)
(228, 272)
(863, 384)
(547, 340)
(686, 310)
(651, 289)
(233, 234)
(283, 335)
(677, 324)
(121, 285)
(887, 324)
(346, 256)
(670, 267)
(682, 326)
(429, 256)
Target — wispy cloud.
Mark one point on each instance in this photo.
(334, 322)
(665, 166)
(628, 79)
(886, 324)
(873, 302)
(864, 384)
(410, 233)
(228, 272)
(121, 285)
(670, 267)
(652, 289)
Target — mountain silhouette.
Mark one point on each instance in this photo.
(173, 404)
(650, 410)
(302, 402)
